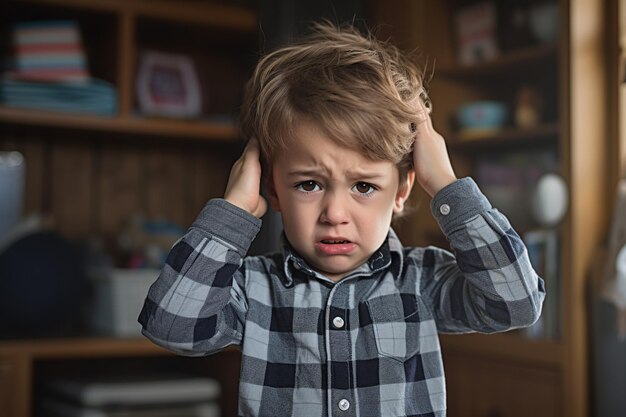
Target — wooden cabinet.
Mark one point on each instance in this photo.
(511, 374)
(487, 387)
(92, 173)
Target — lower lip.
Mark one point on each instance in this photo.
(335, 248)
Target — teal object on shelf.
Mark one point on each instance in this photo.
(482, 115)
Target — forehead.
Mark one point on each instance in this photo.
(309, 148)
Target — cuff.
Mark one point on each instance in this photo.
(458, 203)
(229, 223)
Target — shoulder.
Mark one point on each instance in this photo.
(263, 267)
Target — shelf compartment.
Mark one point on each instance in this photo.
(512, 62)
(191, 129)
(507, 346)
(546, 134)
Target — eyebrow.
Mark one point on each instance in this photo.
(351, 175)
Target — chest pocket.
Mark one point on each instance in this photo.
(396, 323)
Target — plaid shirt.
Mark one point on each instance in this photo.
(364, 346)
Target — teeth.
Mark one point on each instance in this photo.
(335, 241)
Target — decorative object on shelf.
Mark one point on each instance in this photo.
(42, 297)
(118, 295)
(544, 21)
(12, 177)
(529, 107)
(476, 33)
(480, 117)
(49, 51)
(549, 201)
(167, 85)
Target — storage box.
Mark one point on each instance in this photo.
(119, 295)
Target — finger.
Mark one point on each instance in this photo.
(425, 123)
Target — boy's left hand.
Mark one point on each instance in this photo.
(431, 161)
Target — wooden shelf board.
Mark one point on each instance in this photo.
(211, 14)
(506, 137)
(508, 346)
(82, 347)
(191, 129)
(517, 60)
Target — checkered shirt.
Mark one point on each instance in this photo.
(364, 346)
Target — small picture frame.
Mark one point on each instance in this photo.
(168, 86)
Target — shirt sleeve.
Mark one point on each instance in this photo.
(198, 305)
(488, 285)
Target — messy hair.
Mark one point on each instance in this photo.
(356, 89)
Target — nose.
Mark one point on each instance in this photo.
(335, 209)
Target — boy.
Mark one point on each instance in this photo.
(344, 321)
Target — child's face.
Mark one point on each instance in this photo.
(336, 204)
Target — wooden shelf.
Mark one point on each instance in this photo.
(190, 129)
(508, 346)
(520, 60)
(81, 347)
(509, 137)
(209, 14)
(73, 347)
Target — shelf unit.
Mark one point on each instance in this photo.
(510, 374)
(92, 173)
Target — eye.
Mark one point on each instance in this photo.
(308, 186)
(364, 188)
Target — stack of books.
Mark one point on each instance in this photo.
(132, 396)
(50, 51)
(95, 97)
(48, 71)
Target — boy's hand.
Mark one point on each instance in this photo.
(431, 161)
(244, 183)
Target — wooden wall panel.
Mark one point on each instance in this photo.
(72, 193)
(119, 183)
(165, 186)
(209, 175)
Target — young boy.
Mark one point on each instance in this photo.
(344, 321)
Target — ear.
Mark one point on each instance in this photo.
(404, 191)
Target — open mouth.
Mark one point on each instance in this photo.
(335, 242)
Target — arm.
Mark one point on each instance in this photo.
(489, 284)
(198, 304)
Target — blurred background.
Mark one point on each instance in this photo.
(118, 122)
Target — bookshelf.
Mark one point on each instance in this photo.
(91, 173)
(510, 374)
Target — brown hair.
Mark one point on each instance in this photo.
(358, 90)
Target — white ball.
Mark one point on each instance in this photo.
(550, 200)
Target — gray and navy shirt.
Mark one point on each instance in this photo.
(364, 346)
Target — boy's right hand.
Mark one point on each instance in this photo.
(244, 183)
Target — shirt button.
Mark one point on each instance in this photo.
(344, 404)
(338, 322)
(444, 209)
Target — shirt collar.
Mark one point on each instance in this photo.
(389, 253)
